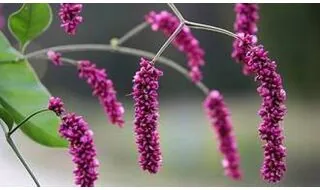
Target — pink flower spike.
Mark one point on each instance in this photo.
(219, 117)
(69, 14)
(82, 148)
(145, 96)
(184, 42)
(102, 88)
(272, 112)
(55, 57)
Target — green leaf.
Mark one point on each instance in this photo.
(21, 94)
(6, 117)
(31, 20)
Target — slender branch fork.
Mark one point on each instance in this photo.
(115, 47)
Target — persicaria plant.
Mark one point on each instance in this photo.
(67, 129)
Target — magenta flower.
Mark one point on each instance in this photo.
(272, 112)
(69, 14)
(145, 95)
(55, 57)
(245, 24)
(103, 88)
(81, 146)
(185, 41)
(247, 17)
(2, 19)
(56, 105)
(219, 117)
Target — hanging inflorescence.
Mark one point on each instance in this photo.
(69, 14)
(81, 145)
(146, 113)
(255, 62)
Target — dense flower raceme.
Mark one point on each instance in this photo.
(272, 112)
(184, 41)
(245, 24)
(102, 88)
(69, 14)
(145, 95)
(81, 145)
(219, 117)
(55, 57)
(2, 19)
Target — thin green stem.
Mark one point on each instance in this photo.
(25, 165)
(21, 159)
(169, 40)
(176, 12)
(134, 31)
(25, 120)
(210, 28)
(119, 49)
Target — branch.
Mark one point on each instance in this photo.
(118, 49)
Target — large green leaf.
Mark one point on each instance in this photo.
(21, 94)
(30, 21)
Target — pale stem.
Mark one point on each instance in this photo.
(169, 40)
(25, 165)
(176, 12)
(134, 31)
(16, 151)
(210, 28)
(119, 49)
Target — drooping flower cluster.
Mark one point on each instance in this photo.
(184, 41)
(272, 112)
(2, 19)
(81, 145)
(55, 57)
(102, 88)
(145, 95)
(219, 117)
(245, 24)
(69, 14)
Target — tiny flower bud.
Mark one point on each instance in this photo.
(56, 105)
(55, 57)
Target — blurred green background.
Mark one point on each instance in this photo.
(291, 33)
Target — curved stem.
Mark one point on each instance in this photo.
(119, 49)
(136, 30)
(16, 151)
(210, 28)
(25, 120)
(169, 40)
